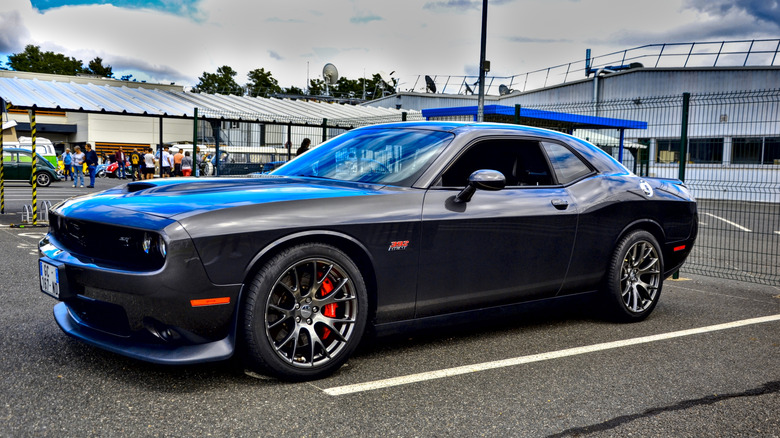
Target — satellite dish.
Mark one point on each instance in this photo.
(429, 84)
(504, 90)
(386, 77)
(468, 89)
(330, 74)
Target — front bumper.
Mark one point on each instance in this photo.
(150, 352)
(146, 315)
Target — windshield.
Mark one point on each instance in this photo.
(380, 156)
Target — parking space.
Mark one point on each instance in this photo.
(544, 370)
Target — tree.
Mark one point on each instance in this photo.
(293, 90)
(348, 88)
(261, 83)
(316, 87)
(96, 67)
(221, 82)
(32, 59)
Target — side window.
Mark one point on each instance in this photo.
(521, 161)
(568, 167)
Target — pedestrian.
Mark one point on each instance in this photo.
(119, 156)
(166, 161)
(78, 166)
(135, 162)
(92, 162)
(304, 147)
(186, 164)
(149, 162)
(177, 163)
(67, 163)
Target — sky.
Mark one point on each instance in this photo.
(178, 40)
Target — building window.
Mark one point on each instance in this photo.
(700, 150)
(755, 150)
(667, 150)
(705, 150)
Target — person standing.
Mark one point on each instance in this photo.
(186, 164)
(120, 162)
(149, 162)
(67, 163)
(77, 160)
(177, 163)
(135, 162)
(92, 162)
(166, 160)
(304, 147)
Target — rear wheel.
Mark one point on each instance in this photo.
(635, 277)
(305, 313)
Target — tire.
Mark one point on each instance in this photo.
(101, 173)
(635, 277)
(297, 330)
(116, 173)
(43, 179)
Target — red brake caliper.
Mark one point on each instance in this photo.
(328, 310)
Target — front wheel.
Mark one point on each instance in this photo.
(635, 277)
(43, 179)
(305, 313)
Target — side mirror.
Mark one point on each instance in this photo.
(483, 180)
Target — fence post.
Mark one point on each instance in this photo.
(517, 114)
(684, 135)
(403, 116)
(34, 166)
(324, 130)
(196, 163)
(3, 108)
(289, 141)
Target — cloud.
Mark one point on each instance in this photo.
(176, 7)
(462, 5)
(764, 10)
(275, 55)
(14, 35)
(537, 40)
(365, 19)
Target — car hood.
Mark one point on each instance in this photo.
(178, 198)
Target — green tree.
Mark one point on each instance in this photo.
(316, 87)
(293, 90)
(221, 82)
(96, 67)
(261, 83)
(32, 59)
(348, 88)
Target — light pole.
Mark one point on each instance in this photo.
(481, 99)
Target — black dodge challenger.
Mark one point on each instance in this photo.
(378, 228)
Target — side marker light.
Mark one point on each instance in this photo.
(210, 302)
(679, 248)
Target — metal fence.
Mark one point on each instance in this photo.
(729, 144)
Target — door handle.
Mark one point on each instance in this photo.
(560, 204)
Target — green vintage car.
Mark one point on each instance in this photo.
(17, 166)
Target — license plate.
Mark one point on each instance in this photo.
(50, 279)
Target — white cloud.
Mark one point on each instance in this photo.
(294, 39)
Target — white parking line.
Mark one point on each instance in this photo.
(450, 372)
(729, 222)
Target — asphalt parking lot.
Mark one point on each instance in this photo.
(706, 363)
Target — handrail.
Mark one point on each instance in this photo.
(736, 53)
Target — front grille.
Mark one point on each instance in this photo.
(122, 247)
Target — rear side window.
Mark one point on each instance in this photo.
(567, 166)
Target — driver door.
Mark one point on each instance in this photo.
(501, 247)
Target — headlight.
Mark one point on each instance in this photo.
(147, 243)
(163, 247)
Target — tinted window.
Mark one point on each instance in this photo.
(568, 167)
(520, 161)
